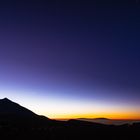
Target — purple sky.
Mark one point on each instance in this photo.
(79, 50)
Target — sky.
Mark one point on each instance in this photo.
(72, 59)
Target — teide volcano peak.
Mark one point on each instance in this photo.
(14, 114)
(8, 107)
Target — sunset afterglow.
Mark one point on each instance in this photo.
(57, 108)
(66, 60)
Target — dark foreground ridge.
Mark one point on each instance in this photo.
(19, 123)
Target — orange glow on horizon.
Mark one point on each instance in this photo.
(58, 108)
(114, 116)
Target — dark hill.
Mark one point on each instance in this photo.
(17, 122)
(7, 107)
(14, 114)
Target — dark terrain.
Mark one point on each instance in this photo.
(19, 123)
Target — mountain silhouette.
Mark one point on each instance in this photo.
(15, 114)
(8, 107)
(17, 122)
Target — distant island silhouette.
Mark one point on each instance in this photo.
(17, 122)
